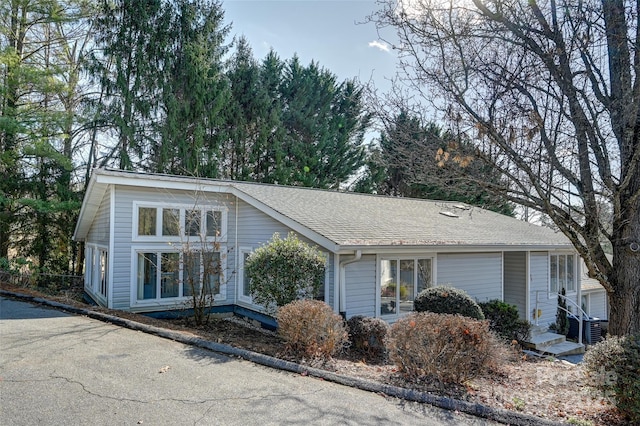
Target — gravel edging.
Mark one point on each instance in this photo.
(475, 409)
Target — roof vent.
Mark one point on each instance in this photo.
(448, 214)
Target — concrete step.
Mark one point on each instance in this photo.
(564, 348)
(538, 329)
(541, 341)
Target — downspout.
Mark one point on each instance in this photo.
(527, 286)
(236, 272)
(578, 278)
(342, 294)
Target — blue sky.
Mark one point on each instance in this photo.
(327, 32)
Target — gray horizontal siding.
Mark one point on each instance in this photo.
(360, 278)
(255, 228)
(99, 231)
(479, 274)
(125, 198)
(515, 281)
(598, 304)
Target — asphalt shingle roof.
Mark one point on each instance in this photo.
(350, 219)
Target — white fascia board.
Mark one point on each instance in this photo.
(444, 248)
(320, 240)
(90, 204)
(164, 182)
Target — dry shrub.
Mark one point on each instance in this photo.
(448, 348)
(613, 367)
(367, 337)
(311, 329)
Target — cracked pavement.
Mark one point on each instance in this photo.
(57, 368)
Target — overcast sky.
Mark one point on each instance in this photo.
(332, 33)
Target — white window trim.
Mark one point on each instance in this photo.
(576, 278)
(182, 238)
(102, 279)
(93, 271)
(88, 266)
(241, 297)
(587, 306)
(221, 296)
(396, 257)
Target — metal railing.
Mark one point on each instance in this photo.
(570, 302)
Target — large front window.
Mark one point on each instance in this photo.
(400, 281)
(562, 273)
(180, 224)
(164, 275)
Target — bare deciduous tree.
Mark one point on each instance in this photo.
(550, 92)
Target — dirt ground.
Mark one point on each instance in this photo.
(544, 387)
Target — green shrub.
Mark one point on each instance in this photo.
(449, 348)
(311, 329)
(367, 336)
(283, 271)
(613, 367)
(504, 320)
(447, 300)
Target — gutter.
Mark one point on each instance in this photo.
(342, 294)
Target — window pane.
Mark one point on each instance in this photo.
(192, 222)
(388, 283)
(170, 222)
(553, 285)
(88, 265)
(245, 278)
(146, 221)
(424, 274)
(571, 282)
(169, 279)
(562, 273)
(103, 273)
(214, 223)
(212, 271)
(191, 273)
(407, 285)
(147, 273)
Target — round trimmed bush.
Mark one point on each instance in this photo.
(284, 270)
(447, 300)
(505, 321)
(367, 336)
(311, 329)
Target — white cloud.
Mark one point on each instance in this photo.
(380, 45)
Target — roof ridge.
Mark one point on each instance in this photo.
(236, 183)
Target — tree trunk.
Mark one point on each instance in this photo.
(624, 302)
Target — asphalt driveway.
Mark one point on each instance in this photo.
(60, 369)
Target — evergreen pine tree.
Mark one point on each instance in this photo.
(193, 91)
(132, 47)
(420, 160)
